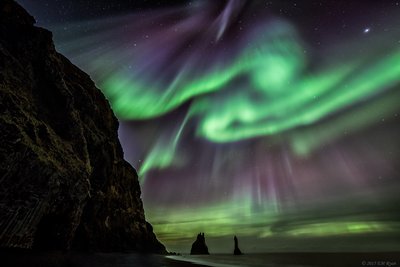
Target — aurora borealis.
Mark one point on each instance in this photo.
(277, 121)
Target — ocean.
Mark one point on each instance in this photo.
(298, 259)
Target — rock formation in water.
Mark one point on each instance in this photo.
(199, 246)
(63, 180)
(236, 251)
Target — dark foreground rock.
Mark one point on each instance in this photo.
(63, 180)
(199, 246)
(29, 258)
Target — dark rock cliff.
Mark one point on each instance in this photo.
(63, 180)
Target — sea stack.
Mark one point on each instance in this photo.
(199, 246)
(64, 181)
(237, 250)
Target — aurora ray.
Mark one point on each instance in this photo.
(274, 121)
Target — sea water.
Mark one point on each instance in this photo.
(228, 260)
(296, 259)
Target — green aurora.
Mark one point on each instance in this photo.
(246, 125)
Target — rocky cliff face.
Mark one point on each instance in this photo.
(63, 180)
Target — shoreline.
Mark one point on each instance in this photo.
(22, 258)
(331, 259)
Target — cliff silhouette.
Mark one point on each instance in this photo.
(65, 183)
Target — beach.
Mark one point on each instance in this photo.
(22, 258)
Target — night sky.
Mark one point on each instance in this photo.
(276, 121)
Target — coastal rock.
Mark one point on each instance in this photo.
(236, 251)
(63, 180)
(199, 246)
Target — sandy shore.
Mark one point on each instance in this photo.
(22, 258)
